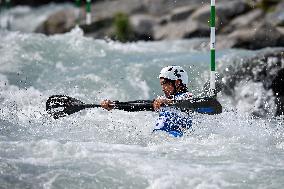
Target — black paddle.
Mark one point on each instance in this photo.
(60, 105)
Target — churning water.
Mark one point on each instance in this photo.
(100, 149)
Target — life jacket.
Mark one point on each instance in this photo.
(173, 120)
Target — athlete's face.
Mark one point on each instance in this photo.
(167, 87)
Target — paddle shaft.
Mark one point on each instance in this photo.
(139, 105)
(147, 105)
(92, 105)
(61, 105)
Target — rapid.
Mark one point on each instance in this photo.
(96, 148)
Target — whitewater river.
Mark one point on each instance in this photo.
(99, 149)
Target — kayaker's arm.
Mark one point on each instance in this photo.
(107, 104)
(159, 102)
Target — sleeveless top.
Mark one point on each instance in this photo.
(173, 120)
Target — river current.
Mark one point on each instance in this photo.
(96, 148)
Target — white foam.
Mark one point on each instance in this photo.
(280, 145)
(115, 148)
(252, 98)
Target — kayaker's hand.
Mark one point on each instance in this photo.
(160, 102)
(106, 104)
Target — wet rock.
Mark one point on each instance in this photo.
(278, 88)
(202, 15)
(102, 25)
(143, 26)
(168, 19)
(265, 69)
(224, 12)
(183, 29)
(182, 13)
(276, 18)
(196, 29)
(99, 28)
(169, 31)
(165, 19)
(162, 7)
(278, 83)
(279, 101)
(280, 29)
(108, 9)
(248, 20)
(64, 20)
(37, 3)
(263, 35)
(102, 33)
(60, 22)
(261, 68)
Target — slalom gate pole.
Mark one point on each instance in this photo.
(1, 6)
(212, 46)
(78, 5)
(88, 12)
(7, 4)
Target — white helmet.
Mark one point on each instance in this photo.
(174, 73)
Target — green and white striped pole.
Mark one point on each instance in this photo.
(88, 12)
(7, 4)
(78, 14)
(9, 18)
(78, 3)
(212, 46)
(0, 6)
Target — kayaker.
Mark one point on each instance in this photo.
(173, 80)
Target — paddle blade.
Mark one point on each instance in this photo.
(206, 105)
(60, 106)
